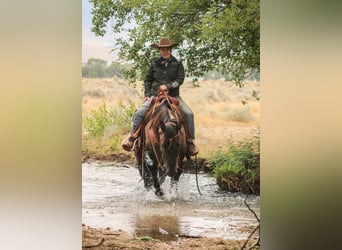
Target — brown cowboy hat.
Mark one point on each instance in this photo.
(163, 43)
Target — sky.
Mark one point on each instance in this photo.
(93, 46)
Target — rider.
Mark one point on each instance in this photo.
(165, 70)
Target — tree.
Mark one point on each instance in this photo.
(115, 69)
(215, 35)
(95, 68)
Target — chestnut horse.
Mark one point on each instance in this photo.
(162, 144)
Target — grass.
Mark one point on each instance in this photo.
(240, 115)
(105, 127)
(239, 169)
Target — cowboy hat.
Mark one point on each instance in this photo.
(164, 42)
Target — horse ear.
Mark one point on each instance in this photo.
(162, 125)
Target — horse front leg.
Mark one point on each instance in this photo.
(155, 178)
(158, 191)
(151, 171)
(175, 179)
(147, 177)
(147, 171)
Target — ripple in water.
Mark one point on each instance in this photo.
(113, 196)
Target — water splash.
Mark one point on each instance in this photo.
(113, 196)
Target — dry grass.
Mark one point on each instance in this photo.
(220, 116)
(215, 102)
(94, 91)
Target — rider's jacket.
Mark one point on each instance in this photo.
(169, 72)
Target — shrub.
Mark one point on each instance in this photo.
(97, 93)
(106, 126)
(241, 115)
(123, 115)
(239, 169)
(114, 143)
(96, 123)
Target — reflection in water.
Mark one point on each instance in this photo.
(161, 227)
(113, 196)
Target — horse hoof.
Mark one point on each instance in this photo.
(159, 192)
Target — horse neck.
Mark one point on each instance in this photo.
(163, 113)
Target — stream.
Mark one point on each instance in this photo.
(113, 196)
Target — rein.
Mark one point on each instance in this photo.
(199, 191)
(172, 139)
(162, 97)
(153, 142)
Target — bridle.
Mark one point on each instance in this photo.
(173, 138)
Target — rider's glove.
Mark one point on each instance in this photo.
(173, 85)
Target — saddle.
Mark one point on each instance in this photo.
(159, 99)
(155, 103)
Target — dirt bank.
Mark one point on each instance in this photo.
(107, 239)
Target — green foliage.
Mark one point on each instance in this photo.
(106, 127)
(117, 120)
(123, 115)
(99, 120)
(114, 143)
(115, 69)
(239, 170)
(215, 35)
(97, 68)
(94, 68)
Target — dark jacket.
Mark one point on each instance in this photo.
(169, 72)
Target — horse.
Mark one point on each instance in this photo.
(162, 144)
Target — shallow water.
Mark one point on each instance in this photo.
(113, 196)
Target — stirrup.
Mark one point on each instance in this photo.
(129, 143)
(193, 150)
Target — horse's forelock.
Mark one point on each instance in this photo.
(158, 116)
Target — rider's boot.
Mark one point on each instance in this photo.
(127, 144)
(193, 150)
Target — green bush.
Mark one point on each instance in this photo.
(114, 143)
(123, 116)
(98, 120)
(118, 119)
(106, 126)
(239, 169)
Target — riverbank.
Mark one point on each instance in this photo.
(129, 159)
(93, 238)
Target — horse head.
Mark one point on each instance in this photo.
(170, 144)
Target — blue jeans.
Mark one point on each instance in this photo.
(142, 110)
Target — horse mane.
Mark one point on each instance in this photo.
(158, 115)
